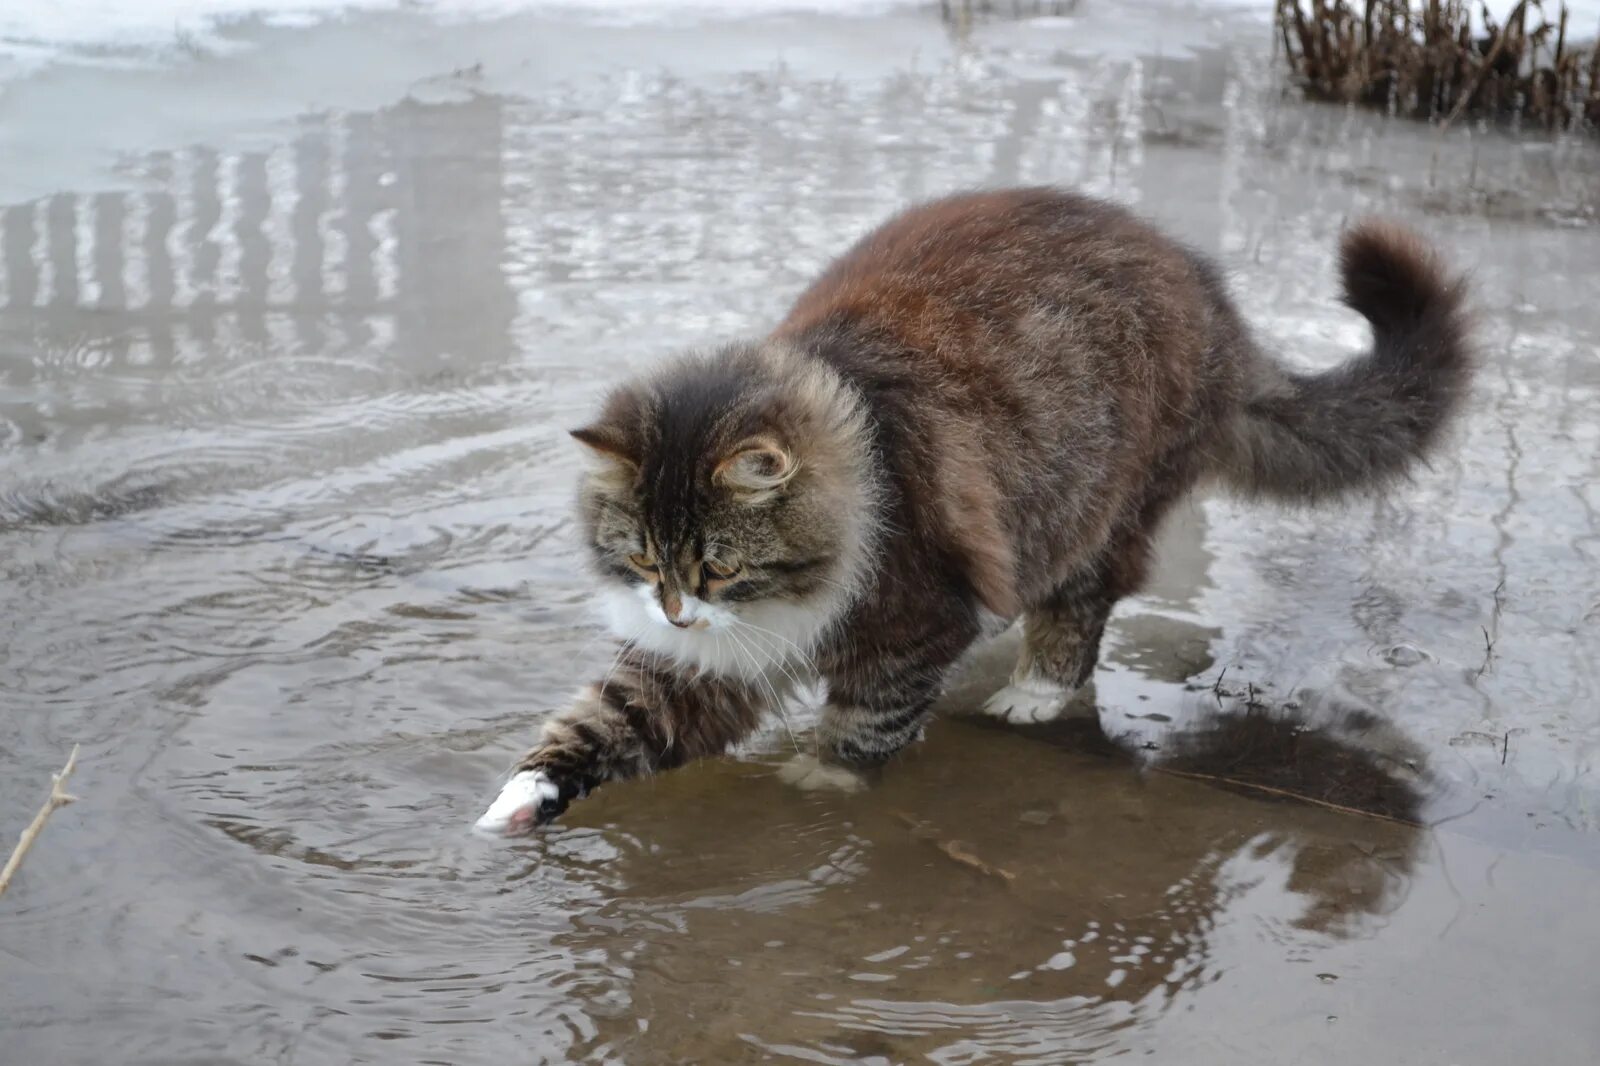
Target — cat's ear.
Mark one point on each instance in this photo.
(611, 453)
(756, 468)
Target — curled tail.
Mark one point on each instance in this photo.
(1305, 437)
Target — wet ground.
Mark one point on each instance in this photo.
(289, 335)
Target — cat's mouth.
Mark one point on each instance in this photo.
(643, 611)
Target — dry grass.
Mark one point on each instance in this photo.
(1419, 58)
(963, 12)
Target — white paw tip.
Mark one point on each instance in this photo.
(1029, 702)
(809, 774)
(516, 809)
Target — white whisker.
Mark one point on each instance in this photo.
(805, 656)
(755, 634)
(616, 659)
(772, 694)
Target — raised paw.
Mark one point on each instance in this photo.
(1029, 702)
(530, 799)
(810, 774)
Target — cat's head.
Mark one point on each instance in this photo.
(730, 506)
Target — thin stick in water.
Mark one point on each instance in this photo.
(954, 849)
(1286, 794)
(59, 797)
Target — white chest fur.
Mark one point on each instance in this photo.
(747, 640)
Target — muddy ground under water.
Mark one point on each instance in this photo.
(289, 335)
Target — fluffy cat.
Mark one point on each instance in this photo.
(984, 408)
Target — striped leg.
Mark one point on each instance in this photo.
(878, 702)
(854, 738)
(639, 722)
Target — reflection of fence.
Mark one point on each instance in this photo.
(327, 236)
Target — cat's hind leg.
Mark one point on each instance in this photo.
(1060, 645)
(1061, 636)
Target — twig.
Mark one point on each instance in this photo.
(1216, 689)
(59, 797)
(955, 849)
(1302, 797)
(1505, 747)
(1488, 651)
(1500, 38)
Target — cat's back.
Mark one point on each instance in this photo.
(1027, 355)
(949, 268)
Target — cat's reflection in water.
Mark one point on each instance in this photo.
(1060, 900)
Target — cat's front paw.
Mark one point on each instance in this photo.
(810, 774)
(530, 799)
(1029, 702)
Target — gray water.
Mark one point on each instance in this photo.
(285, 537)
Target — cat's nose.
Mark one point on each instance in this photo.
(672, 607)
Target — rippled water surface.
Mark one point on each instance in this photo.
(285, 541)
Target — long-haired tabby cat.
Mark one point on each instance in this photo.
(983, 409)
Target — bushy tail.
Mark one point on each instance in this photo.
(1305, 437)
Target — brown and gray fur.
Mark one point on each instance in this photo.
(984, 408)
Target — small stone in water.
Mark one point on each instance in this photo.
(1404, 655)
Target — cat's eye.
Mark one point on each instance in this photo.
(721, 571)
(642, 561)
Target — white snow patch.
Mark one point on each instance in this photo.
(38, 29)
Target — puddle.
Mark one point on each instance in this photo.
(284, 532)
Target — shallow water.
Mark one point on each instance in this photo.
(285, 540)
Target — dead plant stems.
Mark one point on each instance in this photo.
(1501, 35)
(1427, 59)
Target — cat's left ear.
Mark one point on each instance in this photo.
(611, 451)
(757, 468)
